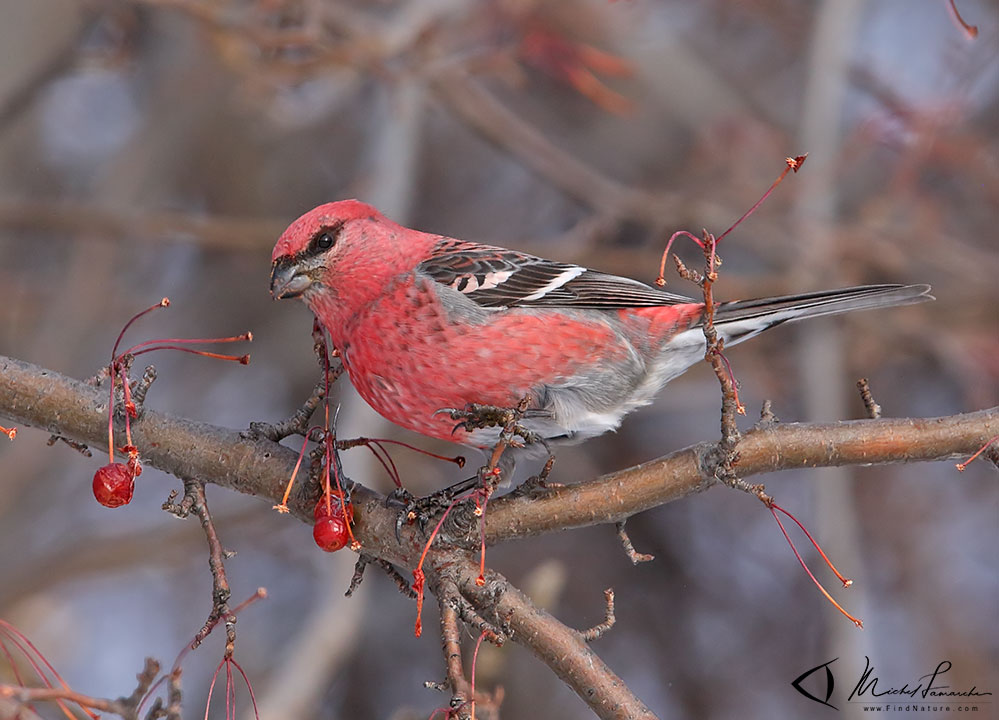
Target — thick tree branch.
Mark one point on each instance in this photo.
(619, 495)
(35, 396)
(32, 395)
(563, 649)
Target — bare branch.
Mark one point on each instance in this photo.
(194, 500)
(477, 107)
(73, 219)
(451, 647)
(36, 396)
(619, 495)
(561, 648)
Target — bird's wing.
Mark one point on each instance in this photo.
(497, 278)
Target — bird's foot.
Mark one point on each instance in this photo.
(537, 485)
(476, 416)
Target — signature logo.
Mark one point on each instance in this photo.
(830, 683)
(930, 687)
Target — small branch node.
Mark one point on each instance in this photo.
(767, 417)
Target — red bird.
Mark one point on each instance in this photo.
(425, 322)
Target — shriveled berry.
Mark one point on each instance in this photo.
(330, 533)
(113, 485)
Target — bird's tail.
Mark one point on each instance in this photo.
(737, 321)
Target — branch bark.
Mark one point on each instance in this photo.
(32, 395)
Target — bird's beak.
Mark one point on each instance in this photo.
(286, 281)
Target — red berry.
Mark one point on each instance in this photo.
(335, 509)
(330, 533)
(113, 485)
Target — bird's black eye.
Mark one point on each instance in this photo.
(325, 238)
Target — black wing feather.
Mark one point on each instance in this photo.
(496, 277)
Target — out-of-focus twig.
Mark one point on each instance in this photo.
(466, 97)
(71, 219)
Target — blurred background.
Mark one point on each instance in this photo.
(159, 147)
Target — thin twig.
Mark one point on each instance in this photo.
(609, 619)
(451, 647)
(26, 696)
(145, 679)
(629, 549)
(78, 446)
(358, 576)
(297, 423)
(767, 417)
(194, 500)
(873, 409)
(363, 560)
(142, 386)
(467, 613)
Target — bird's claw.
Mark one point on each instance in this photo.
(475, 416)
(400, 497)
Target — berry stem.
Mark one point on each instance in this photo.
(475, 657)
(247, 336)
(983, 448)
(241, 359)
(458, 460)
(165, 302)
(739, 407)
(283, 506)
(846, 581)
(481, 510)
(794, 164)
(856, 621)
(111, 374)
(129, 408)
(661, 280)
(418, 576)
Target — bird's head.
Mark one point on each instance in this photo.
(342, 254)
